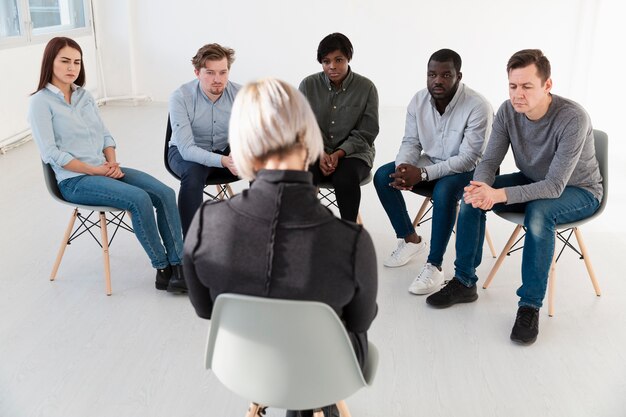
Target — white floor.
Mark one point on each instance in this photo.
(67, 350)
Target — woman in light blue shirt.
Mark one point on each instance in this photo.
(71, 138)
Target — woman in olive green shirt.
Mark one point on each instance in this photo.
(346, 107)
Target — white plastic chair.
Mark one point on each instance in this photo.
(116, 219)
(286, 354)
(564, 231)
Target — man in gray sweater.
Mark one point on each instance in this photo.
(559, 182)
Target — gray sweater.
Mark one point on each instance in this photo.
(554, 152)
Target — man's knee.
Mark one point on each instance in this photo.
(193, 176)
(537, 218)
(381, 177)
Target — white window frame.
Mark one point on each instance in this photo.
(30, 35)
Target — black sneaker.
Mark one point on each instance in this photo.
(177, 283)
(454, 292)
(526, 327)
(163, 278)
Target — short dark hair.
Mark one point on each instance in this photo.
(445, 55)
(526, 57)
(212, 52)
(333, 42)
(50, 53)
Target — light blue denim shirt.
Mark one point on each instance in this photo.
(199, 126)
(64, 132)
(448, 143)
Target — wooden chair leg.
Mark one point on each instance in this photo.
(551, 281)
(490, 242)
(219, 194)
(583, 250)
(421, 212)
(343, 409)
(64, 243)
(506, 249)
(105, 251)
(229, 191)
(254, 409)
(359, 220)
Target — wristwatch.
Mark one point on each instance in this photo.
(424, 174)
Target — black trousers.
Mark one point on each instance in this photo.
(346, 180)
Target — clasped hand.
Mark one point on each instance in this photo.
(483, 196)
(109, 169)
(227, 162)
(329, 162)
(405, 177)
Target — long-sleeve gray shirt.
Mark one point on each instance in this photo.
(200, 126)
(447, 143)
(554, 152)
(347, 116)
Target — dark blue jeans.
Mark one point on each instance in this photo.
(193, 177)
(446, 192)
(541, 218)
(137, 192)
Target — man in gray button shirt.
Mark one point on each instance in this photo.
(559, 182)
(446, 128)
(199, 115)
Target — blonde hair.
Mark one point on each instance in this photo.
(270, 117)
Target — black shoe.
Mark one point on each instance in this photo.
(453, 293)
(163, 278)
(526, 327)
(177, 282)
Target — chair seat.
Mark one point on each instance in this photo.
(86, 224)
(518, 218)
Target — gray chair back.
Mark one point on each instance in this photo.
(287, 354)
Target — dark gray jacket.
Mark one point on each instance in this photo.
(276, 240)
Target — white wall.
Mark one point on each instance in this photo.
(146, 46)
(392, 39)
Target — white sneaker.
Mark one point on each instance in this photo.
(428, 280)
(404, 252)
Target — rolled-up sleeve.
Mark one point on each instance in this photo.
(40, 120)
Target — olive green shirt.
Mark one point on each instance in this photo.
(347, 116)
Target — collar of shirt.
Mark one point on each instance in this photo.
(344, 85)
(57, 91)
(452, 103)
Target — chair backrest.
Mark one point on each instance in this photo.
(168, 136)
(51, 183)
(281, 353)
(601, 141)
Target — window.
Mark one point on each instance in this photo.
(23, 21)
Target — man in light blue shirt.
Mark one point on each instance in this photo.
(446, 128)
(199, 115)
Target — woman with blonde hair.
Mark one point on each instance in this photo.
(275, 239)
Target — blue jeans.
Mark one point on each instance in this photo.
(137, 192)
(446, 192)
(540, 220)
(193, 177)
